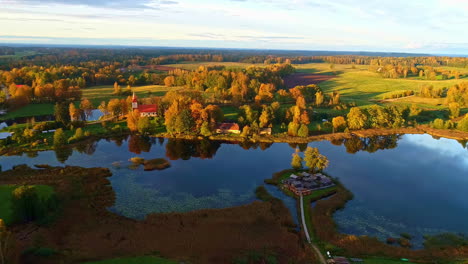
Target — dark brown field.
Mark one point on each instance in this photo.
(86, 230)
(163, 68)
(297, 79)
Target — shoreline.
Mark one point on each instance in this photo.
(422, 129)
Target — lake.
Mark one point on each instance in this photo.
(412, 183)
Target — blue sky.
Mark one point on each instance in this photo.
(423, 26)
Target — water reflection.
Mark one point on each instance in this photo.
(182, 149)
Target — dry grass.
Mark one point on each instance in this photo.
(87, 231)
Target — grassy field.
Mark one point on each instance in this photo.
(97, 94)
(385, 261)
(229, 65)
(31, 109)
(6, 199)
(365, 88)
(135, 260)
(18, 55)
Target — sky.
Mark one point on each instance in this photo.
(415, 26)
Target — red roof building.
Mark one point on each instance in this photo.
(226, 128)
(145, 110)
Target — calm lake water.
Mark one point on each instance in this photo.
(411, 183)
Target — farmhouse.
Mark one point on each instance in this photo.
(226, 128)
(265, 131)
(305, 183)
(145, 110)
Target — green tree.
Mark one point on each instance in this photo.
(205, 129)
(61, 113)
(296, 161)
(60, 138)
(144, 125)
(356, 118)
(183, 122)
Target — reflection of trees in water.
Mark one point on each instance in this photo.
(301, 146)
(255, 145)
(32, 154)
(138, 144)
(464, 143)
(88, 147)
(370, 144)
(185, 149)
(63, 154)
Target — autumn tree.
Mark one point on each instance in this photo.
(356, 118)
(132, 120)
(319, 98)
(463, 124)
(293, 128)
(60, 138)
(87, 106)
(114, 107)
(454, 108)
(266, 117)
(414, 110)
(339, 124)
(303, 131)
(73, 112)
(169, 81)
(296, 162)
(301, 103)
(117, 89)
(314, 160)
(144, 125)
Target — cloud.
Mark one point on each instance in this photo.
(134, 4)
